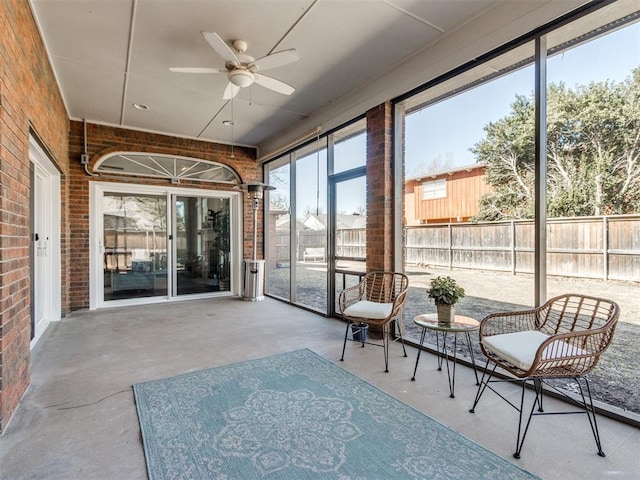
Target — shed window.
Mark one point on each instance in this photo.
(434, 189)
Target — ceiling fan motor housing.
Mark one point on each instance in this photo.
(240, 45)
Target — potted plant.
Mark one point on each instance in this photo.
(445, 293)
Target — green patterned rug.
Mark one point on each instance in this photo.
(297, 416)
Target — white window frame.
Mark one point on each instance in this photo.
(434, 189)
(173, 167)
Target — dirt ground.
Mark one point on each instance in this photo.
(616, 379)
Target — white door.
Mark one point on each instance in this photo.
(45, 237)
(40, 238)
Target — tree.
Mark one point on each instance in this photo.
(508, 153)
(309, 210)
(279, 198)
(278, 201)
(439, 163)
(593, 153)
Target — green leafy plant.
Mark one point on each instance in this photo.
(445, 291)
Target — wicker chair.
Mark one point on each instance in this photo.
(375, 301)
(563, 338)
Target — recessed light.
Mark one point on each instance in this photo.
(141, 106)
(228, 123)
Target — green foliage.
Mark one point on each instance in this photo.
(445, 291)
(593, 153)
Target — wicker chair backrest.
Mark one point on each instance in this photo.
(573, 313)
(383, 287)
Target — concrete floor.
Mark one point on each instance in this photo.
(78, 419)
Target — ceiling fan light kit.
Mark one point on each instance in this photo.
(240, 77)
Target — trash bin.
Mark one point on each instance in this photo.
(253, 283)
(359, 331)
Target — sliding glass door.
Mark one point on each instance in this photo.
(135, 245)
(153, 245)
(202, 245)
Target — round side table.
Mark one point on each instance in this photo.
(460, 324)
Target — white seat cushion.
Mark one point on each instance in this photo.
(520, 348)
(367, 309)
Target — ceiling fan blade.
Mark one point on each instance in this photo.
(221, 47)
(197, 70)
(230, 92)
(273, 84)
(277, 59)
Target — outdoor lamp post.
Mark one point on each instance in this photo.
(253, 281)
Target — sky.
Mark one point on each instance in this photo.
(449, 128)
(438, 130)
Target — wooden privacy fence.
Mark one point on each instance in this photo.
(604, 247)
(349, 243)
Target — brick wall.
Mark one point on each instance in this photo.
(380, 215)
(30, 101)
(103, 139)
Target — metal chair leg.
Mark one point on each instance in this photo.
(591, 414)
(385, 345)
(520, 440)
(386, 341)
(344, 345)
(484, 382)
(473, 358)
(402, 340)
(438, 349)
(538, 385)
(523, 425)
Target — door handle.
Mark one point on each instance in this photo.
(36, 237)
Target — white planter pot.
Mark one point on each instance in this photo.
(446, 313)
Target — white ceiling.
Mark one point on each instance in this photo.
(109, 54)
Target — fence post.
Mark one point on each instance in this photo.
(605, 248)
(450, 246)
(513, 247)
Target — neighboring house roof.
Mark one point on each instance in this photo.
(284, 224)
(343, 222)
(434, 175)
(313, 222)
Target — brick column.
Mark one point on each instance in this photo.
(380, 180)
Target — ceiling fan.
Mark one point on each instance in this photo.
(241, 69)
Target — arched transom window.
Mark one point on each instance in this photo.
(172, 167)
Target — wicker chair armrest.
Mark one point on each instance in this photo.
(397, 303)
(349, 296)
(508, 322)
(569, 354)
(561, 345)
